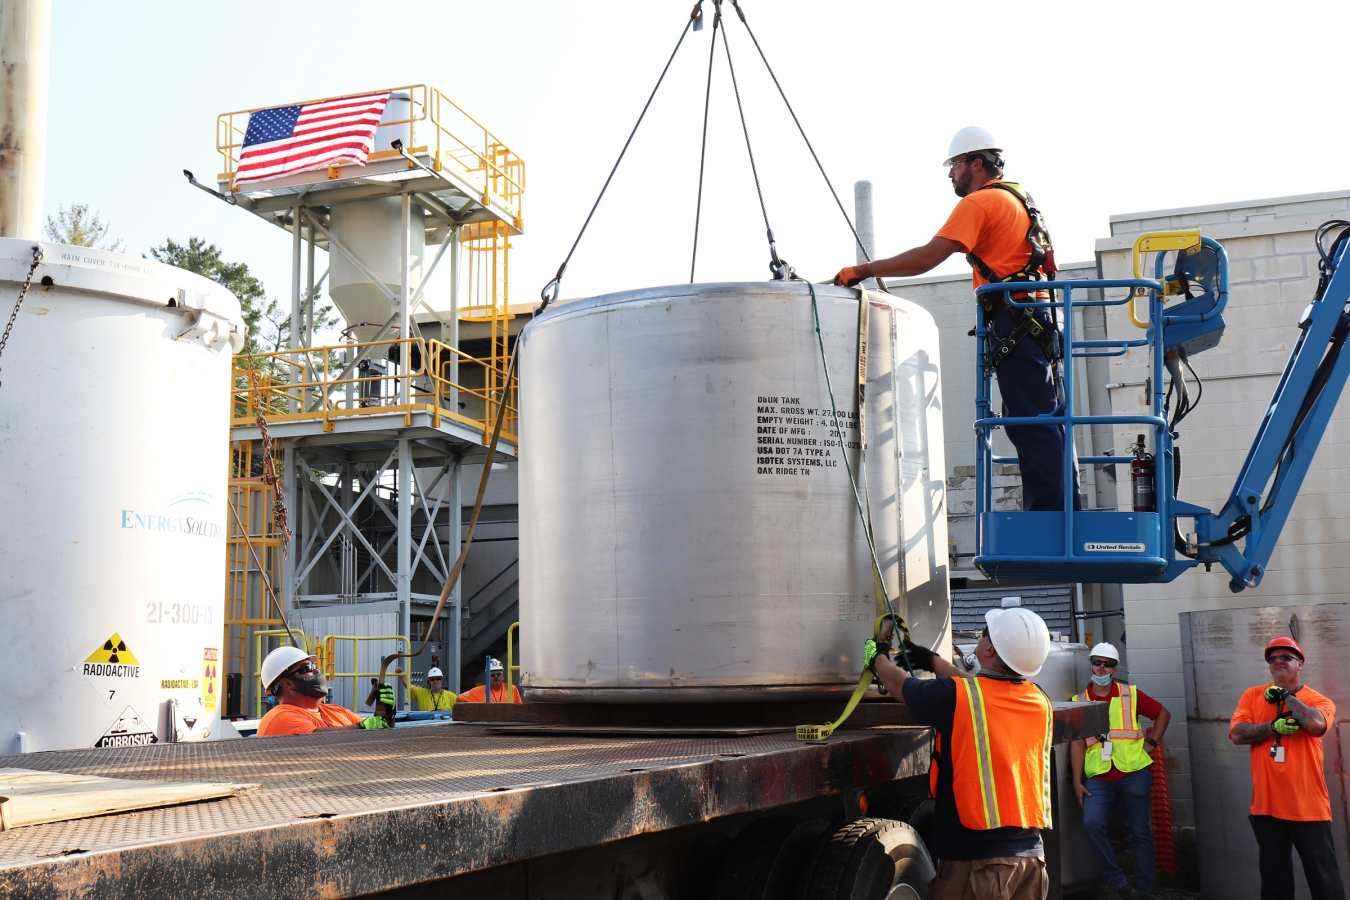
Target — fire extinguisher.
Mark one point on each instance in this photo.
(1141, 478)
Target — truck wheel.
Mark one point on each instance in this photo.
(868, 859)
(918, 813)
(765, 859)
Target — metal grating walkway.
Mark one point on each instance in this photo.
(352, 813)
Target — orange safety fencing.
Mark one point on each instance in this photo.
(1164, 831)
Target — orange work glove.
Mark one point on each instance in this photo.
(851, 275)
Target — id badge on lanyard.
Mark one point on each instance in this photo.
(1277, 752)
(1106, 751)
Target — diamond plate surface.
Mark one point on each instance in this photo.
(318, 776)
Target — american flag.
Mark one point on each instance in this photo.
(288, 139)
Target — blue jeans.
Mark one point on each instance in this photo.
(1027, 384)
(1134, 791)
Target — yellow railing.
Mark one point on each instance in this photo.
(311, 384)
(247, 604)
(436, 126)
(330, 657)
(511, 667)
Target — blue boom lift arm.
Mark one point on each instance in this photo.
(1142, 545)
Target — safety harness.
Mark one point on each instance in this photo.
(1040, 266)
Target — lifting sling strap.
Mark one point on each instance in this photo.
(1041, 264)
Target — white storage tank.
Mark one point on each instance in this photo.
(114, 443)
(687, 528)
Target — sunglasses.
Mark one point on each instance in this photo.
(303, 669)
(1280, 657)
(1104, 663)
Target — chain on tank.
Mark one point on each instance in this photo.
(27, 283)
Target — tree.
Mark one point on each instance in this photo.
(76, 226)
(269, 326)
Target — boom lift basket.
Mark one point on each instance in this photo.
(1099, 545)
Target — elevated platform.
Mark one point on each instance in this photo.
(379, 425)
(460, 172)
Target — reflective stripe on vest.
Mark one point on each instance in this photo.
(1128, 752)
(1004, 783)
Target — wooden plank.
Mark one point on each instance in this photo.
(31, 797)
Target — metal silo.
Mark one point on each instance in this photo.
(687, 530)
(114, 440)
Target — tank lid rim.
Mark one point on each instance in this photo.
(709, 289)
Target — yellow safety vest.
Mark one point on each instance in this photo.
(1129, 753)
(426, 700)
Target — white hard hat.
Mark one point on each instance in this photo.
(1105, 651)
(1020, 638)
(279, 660)
(968, 140)
(495, 665)
(434, 672)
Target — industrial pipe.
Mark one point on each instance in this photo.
(25, 58)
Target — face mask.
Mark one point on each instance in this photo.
(1101, 680)
(312, 684)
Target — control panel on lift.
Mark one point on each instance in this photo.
(1162, 536)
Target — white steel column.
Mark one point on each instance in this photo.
(297, 320)
(455, 617)
(405, 508)
(452, 339)
(309, 291)
(404, 295)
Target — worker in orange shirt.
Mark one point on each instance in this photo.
(497, 673)
(1004, 238)
(991, 758)
(1284, 723)
(293, 677)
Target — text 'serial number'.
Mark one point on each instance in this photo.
(177, 614)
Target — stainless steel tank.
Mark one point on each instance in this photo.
(687, 528)
(1222, 654)
(1064, 674)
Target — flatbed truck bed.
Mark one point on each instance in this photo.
(436, 809)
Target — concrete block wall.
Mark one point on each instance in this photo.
(1273, 275)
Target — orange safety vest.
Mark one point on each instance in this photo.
(1000, 754)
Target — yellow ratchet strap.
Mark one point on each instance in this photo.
(821, 732)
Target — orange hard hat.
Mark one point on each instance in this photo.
(1287, 643)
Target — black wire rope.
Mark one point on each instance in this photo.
(776, 266)
(741, 14)
(550, 291)
(703, 151)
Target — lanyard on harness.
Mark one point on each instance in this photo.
(1040, 264)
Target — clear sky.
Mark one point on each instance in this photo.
(1103, 108)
